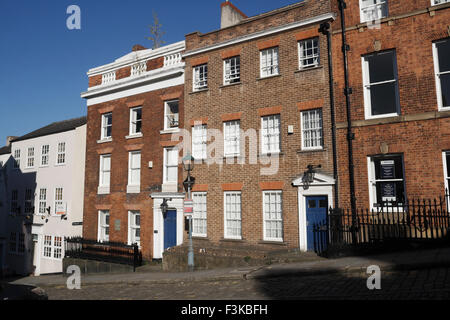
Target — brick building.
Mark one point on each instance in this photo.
(135, 104)
(257, 106)
(399, 72)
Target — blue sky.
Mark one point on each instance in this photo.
(44, 65)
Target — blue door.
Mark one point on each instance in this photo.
(316, 212)
(170, 229)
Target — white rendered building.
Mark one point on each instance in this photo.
(45, 190)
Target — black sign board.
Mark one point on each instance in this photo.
(387, 169)
(388, 191)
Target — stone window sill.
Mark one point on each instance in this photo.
(311, 150)
(268, 77)
(199, 91)
(170, 131)
(230, 85)
(134, 136)
(308, 69)
(104, 140)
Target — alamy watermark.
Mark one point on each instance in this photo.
(74, 280)
(374, 280)
(73, 22)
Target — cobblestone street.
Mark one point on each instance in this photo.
(419, 284)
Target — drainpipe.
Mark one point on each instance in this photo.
(325, 29)
(350, 134)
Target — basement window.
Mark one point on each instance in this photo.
(381, 96)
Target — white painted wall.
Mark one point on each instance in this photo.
(69, 176)
(4, 158)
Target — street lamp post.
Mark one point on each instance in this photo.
(188, 164)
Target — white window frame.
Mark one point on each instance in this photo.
(232, 70)
(14, 199)
(367, 85)
(134, 121)
(372, 181)
(200, 141)
(16, 159)
(446, 166)
(58, 198)
(200, 214)
(232, 138)
(29, 201)
(105, 126)
(267, 134)
(237, 219)
(382, 7)
(315, 45)
(269, 62)
(61, 154)
(45, 155)
(102, 226)
(132, 169)
(438, 73)
(438, 2)
(42, 201)
(311, 130)
(132, 227)
(168, 115)
(200, 77)
(53, 248)
(101, 181)
(275, 193)
(167, 166)
(30, 157)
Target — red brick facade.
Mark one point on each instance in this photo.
(249, 100)
(420, 133)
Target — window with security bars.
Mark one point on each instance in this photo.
(436, 2)
(441, 51)
(231, 138)
(106, 129)
(17, 159)
(30, 158)
(42, 201)
(200, 77)
(103, 226)
(61, 155)
(58, 198)
(45, 154)
(309, 53)
(232, 70)
(269, 62)
(312, 129)
(134, 228)
(15, 202)
(273, 216)
(381, 97)
(135, 120)
(270, 134)
(233, 221)
(371, 10)
(29, 201)
(199, 226)
(199, 142)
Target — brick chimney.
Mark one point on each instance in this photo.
(230, 15)
(138, 47)
(8, 140)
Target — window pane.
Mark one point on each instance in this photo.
(383, 98)
(444, 55)
(381, 67)
(448, 165)
(445, 89)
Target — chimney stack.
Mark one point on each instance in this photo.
(230, 15)
(8, 140)
(138, 47)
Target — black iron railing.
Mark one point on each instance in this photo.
(415, 220)
(112, 252)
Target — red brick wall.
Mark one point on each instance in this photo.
(249, 100)
(151, 179)
(422, 141)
